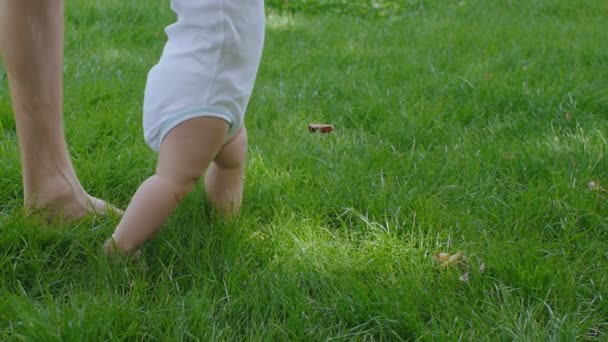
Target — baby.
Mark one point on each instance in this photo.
(194, 106)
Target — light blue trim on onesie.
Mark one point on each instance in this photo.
(172, 121)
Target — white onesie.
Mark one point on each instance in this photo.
(208, 66)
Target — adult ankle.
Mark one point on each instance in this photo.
(59, 198)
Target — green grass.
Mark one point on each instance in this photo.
(468, 126)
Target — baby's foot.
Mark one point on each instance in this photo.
(111, 249)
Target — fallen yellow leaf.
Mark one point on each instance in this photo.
(456, 259)
(447, 259)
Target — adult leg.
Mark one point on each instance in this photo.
(31, 46)
(185, 153)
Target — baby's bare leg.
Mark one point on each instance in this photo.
(224, 179)
(184, 155)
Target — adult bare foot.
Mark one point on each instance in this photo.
(68, 206)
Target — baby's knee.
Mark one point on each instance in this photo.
(179, 187)
(233, 154)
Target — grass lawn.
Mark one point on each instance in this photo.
(471, 126)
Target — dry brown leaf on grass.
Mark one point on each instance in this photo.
(447, 259)
(464, 277)
(458, 259)
(323, 128)
(596, 186)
